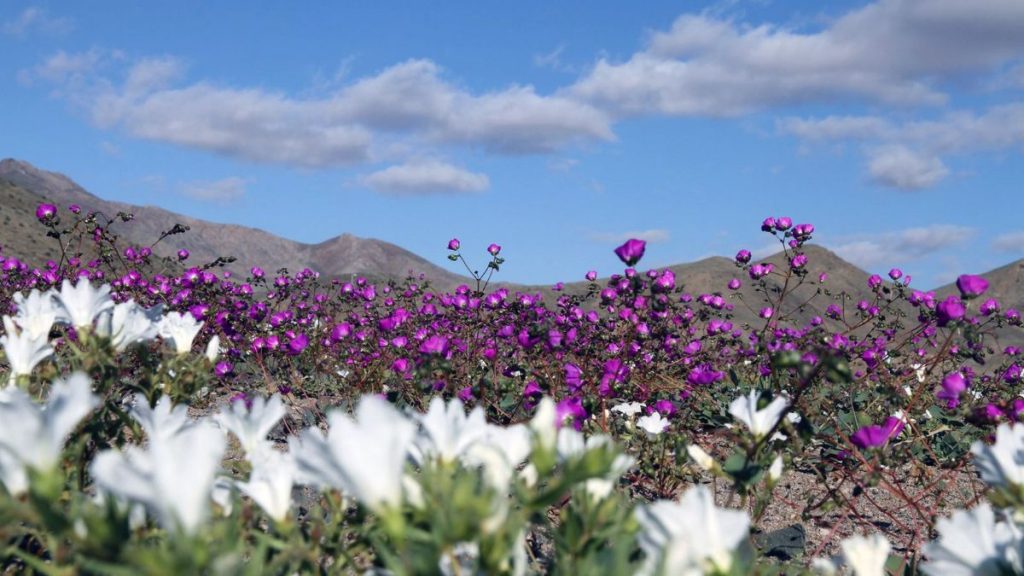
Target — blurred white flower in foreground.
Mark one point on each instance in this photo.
(128, 323)
(973, 542)
(251, 425)
(162, 421)
(270, 483)
(760, 422)
(701, 457)
(1002, 463)
(180, 329)
(80, 303)
(23, 350)
(33, 436)
(173, 477)
(653, 423)
(36, 312)
(447, 431)
(690, 537)
(363, 457)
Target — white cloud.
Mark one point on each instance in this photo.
(707, 66)
(1009, 242)
(892, 248)
(223, 191)
(35, 19)
(425, 177)
(654, 236)
(408, 102)
(64, 69)
(900, 167)
(908, 155)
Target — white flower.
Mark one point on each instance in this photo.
(653, 423)
(173, 477)
(775, 470)
(80, 304)
(543, 424)
(213, 349)
(270, 483)
(920, 371)
(599, 488)
(161, 421)
(23, 350)
(702, 458)
(760, 422)
(866, 555)
(251, 425)
(1002, 464)
(628, 409)
(180, 329)
(364, 457)
(33, 436)
(972, 542)
(128, 323)
(36, 313)
(447, 432)
(690, 537)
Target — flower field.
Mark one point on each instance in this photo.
(161, 416)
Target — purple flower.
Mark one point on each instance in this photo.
(223, 369)
(768, 224)
(895, 273)
(532, 390)
(454, 244)
(256, 272)
(784, 223)
(734, 284)
(874, 281)
(631, 252)
(799, 261)
(953, 385)
(952, 308)
(743, 256)
(435, 345)
(466, 394)
(572, 409)
(971, 286)
(666, 282)
(990, 306)
(493, 249)
(75, 209)
(297, 344)
(46, 211)
(182, 254)
(664, 407)
(573, 377)
(591, 275)
(400, 365)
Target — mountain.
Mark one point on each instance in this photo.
(1005, 284)
(23, 187)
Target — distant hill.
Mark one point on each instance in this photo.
(23, 187)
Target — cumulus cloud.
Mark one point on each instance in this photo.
(1010, 242)
(707, 66)
(35, 19)
(900, 167)
(908, 155)
(425, 177)
(410, 101)
(63, 69)
(654, 236)
(223, 191)
(889, 248)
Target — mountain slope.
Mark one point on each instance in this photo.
(23, 186)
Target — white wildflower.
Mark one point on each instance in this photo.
(866, 555)
(80, 304)
(690, 537)
(181, 329)
(36, 312)
(653, 423)
(1002, 464)
(759, 422)
(23, 350)
(251, 425)
(972, 542)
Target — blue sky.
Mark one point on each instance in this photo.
(557, 130)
